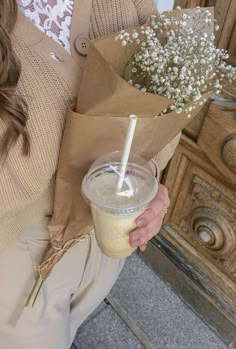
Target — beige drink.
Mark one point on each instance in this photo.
(113, 213)
(112, 232)
(112, 229)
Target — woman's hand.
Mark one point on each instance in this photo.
(150, 222)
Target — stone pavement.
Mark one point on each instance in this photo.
(143, 312)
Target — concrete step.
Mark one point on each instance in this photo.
(143, 312)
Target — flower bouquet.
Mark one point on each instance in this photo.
(181, 64)
(162, 72)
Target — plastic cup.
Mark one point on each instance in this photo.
(114, 214)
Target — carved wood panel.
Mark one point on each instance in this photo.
(203, 209)
(218, 139)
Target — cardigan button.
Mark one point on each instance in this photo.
(82, 44)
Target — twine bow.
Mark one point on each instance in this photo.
(45, 266)
(59, 251)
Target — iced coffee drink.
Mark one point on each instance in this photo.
(114, 213)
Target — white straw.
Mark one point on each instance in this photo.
(126, 150)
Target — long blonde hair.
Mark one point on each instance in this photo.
(13, 109)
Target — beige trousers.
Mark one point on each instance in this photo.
(78, 283)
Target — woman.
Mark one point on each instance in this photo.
(34, 100)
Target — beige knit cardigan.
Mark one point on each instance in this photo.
(49, 87)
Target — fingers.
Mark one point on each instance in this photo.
(146, 217)
(143, 247)
(143, 234)
(149, 223)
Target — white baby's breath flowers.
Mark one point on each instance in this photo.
(177, 62)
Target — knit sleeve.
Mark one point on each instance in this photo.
(163, 157)
(144, 8)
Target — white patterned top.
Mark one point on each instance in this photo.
(51, 16)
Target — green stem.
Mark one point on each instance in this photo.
(37, 277)
(35, 298)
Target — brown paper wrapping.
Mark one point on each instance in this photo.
(97, 127)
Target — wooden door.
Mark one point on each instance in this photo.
(195, 251)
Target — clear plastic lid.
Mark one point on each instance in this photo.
(99, 186)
